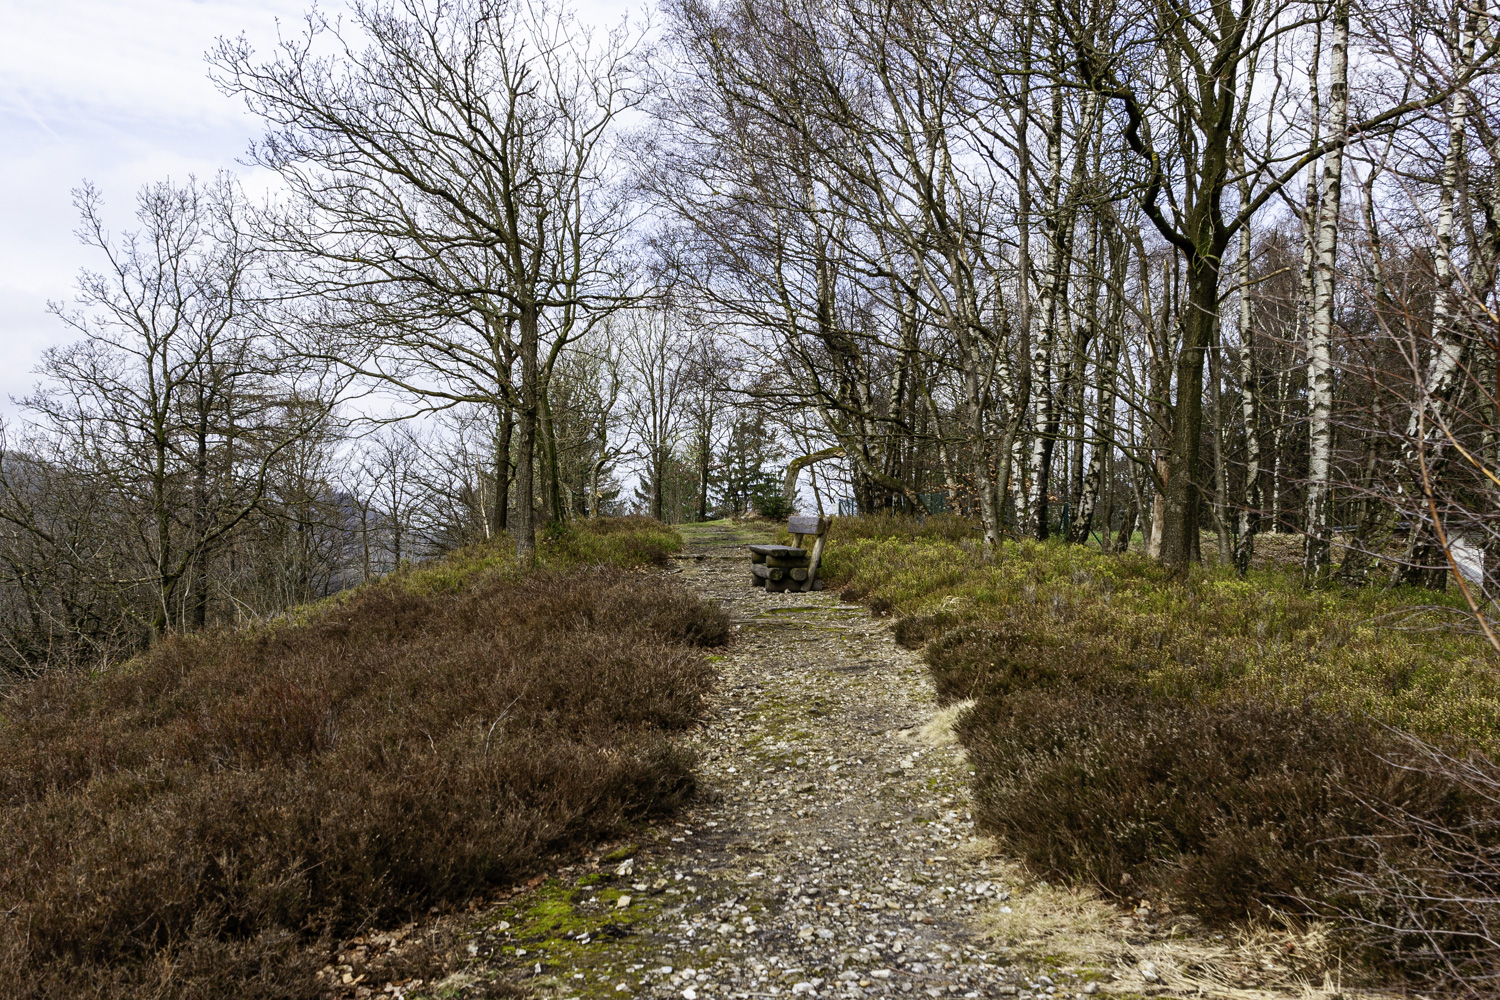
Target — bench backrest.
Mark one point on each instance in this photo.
(807, 524)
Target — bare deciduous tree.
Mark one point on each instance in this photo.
(453, 196)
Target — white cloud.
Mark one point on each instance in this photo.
(116, 93)
(82, 63)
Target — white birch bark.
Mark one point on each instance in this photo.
(1249, 515)
(1445, 364)
(1104, 423)
(1315, 554)
(1044, 359)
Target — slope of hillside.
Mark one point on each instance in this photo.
(209, 818)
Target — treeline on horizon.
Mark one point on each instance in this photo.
(1094, 270)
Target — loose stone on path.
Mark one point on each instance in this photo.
(833, 856)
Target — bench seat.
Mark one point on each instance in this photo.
(788, 553)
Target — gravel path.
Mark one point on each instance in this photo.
(833, 855)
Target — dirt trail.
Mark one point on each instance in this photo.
(833, 854)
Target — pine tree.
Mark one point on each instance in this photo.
(747, 479)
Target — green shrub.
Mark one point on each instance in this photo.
(773, 505)
(1228, 744)
(1266, 638)
(617, 542)
(610, 541)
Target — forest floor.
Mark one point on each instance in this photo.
(832, 854)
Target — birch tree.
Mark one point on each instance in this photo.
(1316, 550)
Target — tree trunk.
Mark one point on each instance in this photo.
(1158, 522)
(1319, 503)
(658, 473)
(1013, 453)
(1424, 561)
(500, 502)
(525, 526)
(198, 585)
(595, 468)
(1051, 308)
(1180, 509)
(1244, 549)
(705, 467)
(1127, 526)
(795, 466)
(1278, 448)
(1103, 442)
(1107, 370)
(1221, 465)
(552, 499)
(364, 539)
(166, 583)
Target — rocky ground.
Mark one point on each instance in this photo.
(832, 855)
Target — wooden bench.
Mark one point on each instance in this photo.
(780, 568)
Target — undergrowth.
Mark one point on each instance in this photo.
(1233, 745)
(1262, 636)
(205, 820)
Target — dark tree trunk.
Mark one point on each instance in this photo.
(500, 506)
(525, 526)
(1179, 544)
(553, 498)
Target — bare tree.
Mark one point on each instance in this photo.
(1315, 563)
(453, 176)
(657, 354)
(169, 401)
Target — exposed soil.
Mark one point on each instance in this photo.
(832, 853)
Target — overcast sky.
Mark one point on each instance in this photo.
(115, 92)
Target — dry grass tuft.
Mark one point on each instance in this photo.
(1062, 925)
(942, 729)
(1072, 926)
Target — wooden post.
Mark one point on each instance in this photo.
(817, 555)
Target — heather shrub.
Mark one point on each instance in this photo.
(916, 629)
(984, 660)
(944, 527)
(1228, 745)
(615, 541)
(1226, 809)
(204, 820)
(1239, 808)
(1385, 654)
(1428, 889)
(670, 614)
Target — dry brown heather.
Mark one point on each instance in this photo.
(1235, 747)
(202, 821)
